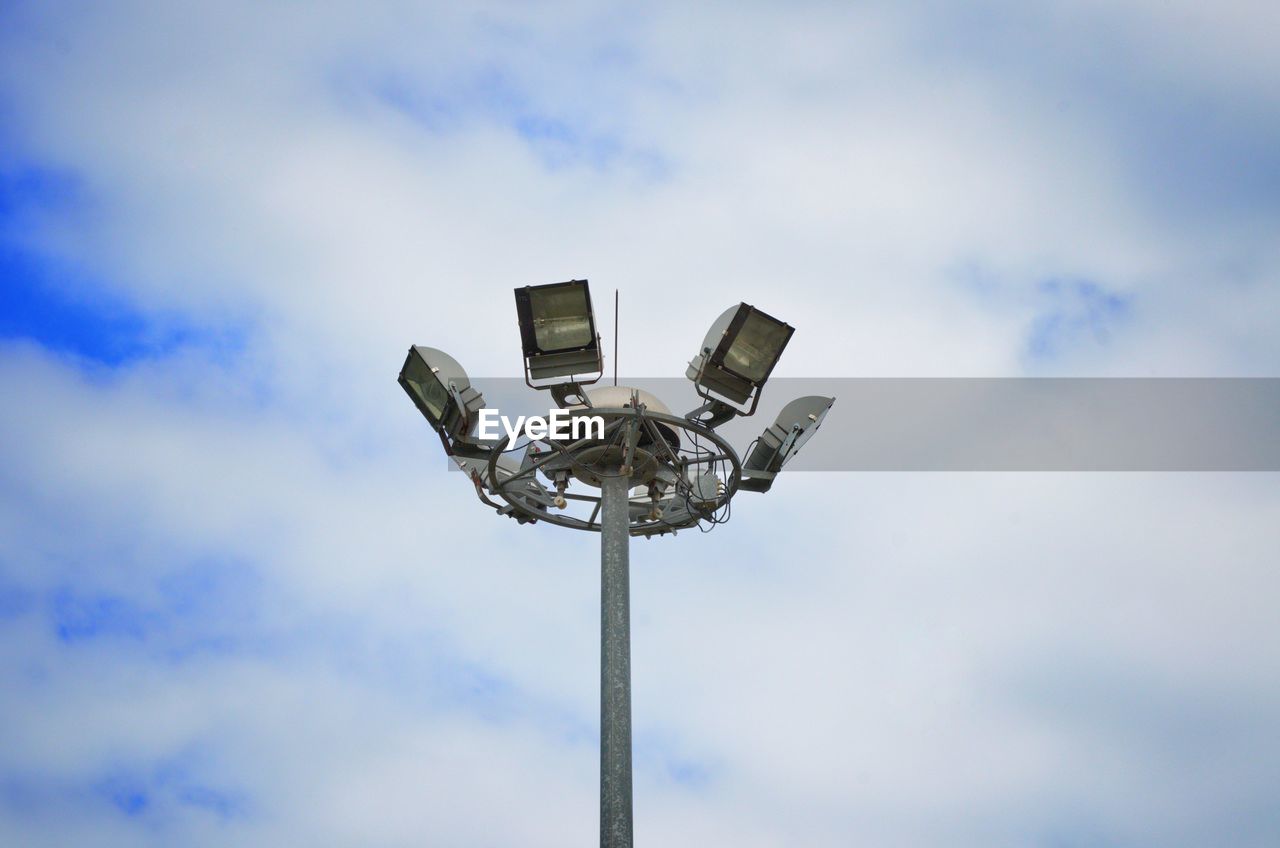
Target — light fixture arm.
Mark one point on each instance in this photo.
(570, 394)
(716, 411)
(790, 440)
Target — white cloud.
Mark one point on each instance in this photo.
(896, 659)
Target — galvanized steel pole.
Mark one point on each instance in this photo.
(615, 664)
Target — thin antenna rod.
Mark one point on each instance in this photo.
(615, 337)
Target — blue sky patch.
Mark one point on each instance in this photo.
(15, 601)
(37, 304)
(46, 190)
(126, 795)
(64, 308)
(492, 95)
(210, 607)
(688, 773)
(224, 805)
(1077, 313)
(78, 618)
(661, 752)
(169, 785)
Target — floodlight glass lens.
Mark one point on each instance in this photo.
(757, 346)
(561, 319)
(433, 395)
(427, 388)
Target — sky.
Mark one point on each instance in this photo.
(242, 602)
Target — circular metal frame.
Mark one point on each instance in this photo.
(533, 507)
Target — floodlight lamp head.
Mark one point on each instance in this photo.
(738, 355)
(439, 388)
(782, 440)
(558, 334)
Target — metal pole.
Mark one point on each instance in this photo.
(615, 664)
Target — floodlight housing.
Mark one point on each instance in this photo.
(739, 353)
(439, 388)
(558, 332)
(782, 440)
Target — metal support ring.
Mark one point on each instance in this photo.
(531, 509)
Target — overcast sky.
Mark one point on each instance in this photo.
(242, 603)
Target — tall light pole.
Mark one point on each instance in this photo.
(655, 472)
(615, 662)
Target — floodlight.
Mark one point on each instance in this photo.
(558, 331)
(438, 386)
(739, 353)
(782, 440)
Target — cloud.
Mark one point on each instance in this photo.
(240, 600)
